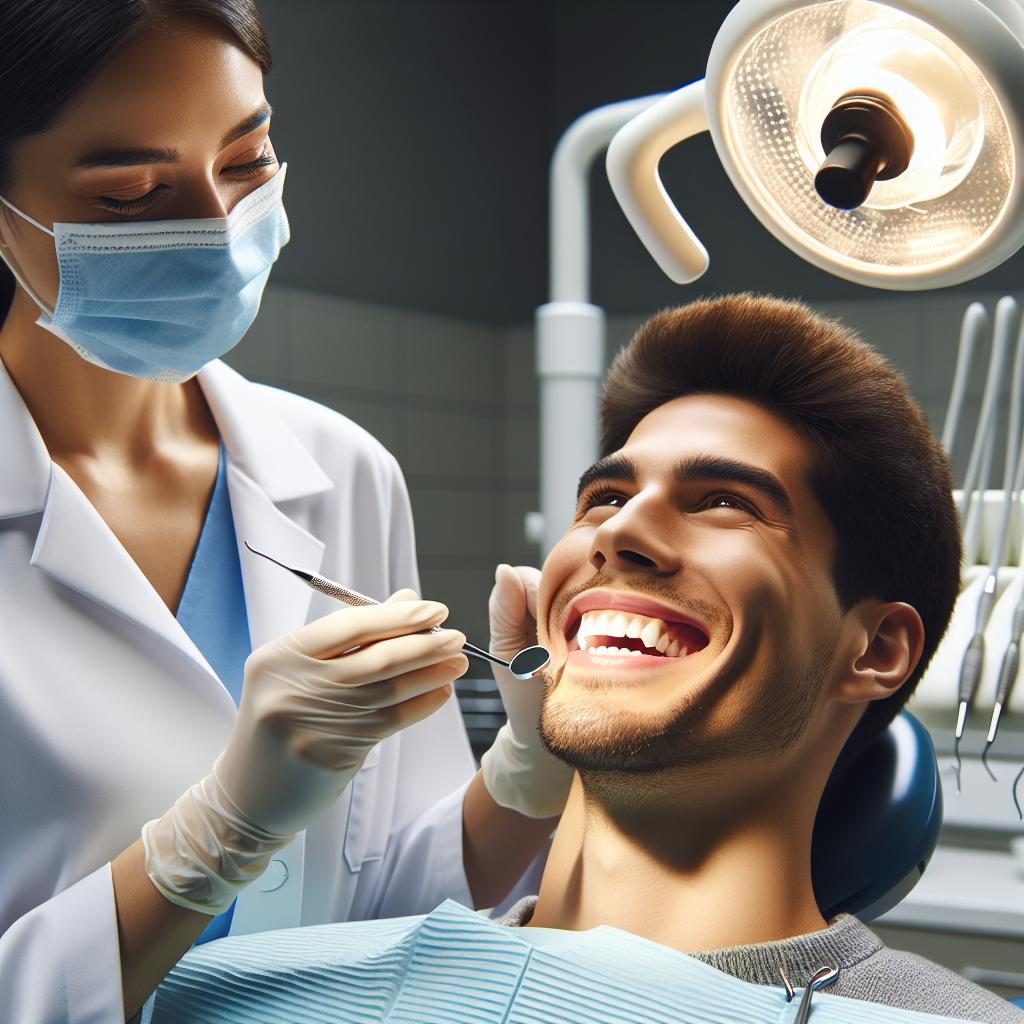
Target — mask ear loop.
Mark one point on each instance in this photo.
(29, 290)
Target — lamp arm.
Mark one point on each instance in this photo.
(632, 164)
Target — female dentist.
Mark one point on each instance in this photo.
(154, 776)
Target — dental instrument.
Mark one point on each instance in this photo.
(1010, 665)
(527, 663)
(1006, 324)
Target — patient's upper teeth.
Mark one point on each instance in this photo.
(663, 641)
(634, 627)
(672, 651)
(617, 627)
(601, 623)
(651, 633)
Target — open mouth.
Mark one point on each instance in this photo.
(613, 633)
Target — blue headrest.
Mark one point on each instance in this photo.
(878, 823)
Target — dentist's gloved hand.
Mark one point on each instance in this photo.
(517, 771)
(314, 703)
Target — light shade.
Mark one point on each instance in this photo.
(954, 69)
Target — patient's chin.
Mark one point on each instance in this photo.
(620, 740)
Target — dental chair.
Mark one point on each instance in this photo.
(878, 823)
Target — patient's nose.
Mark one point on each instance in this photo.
(630, 540)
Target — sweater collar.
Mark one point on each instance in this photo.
(843, 944)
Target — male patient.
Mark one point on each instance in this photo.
(759, 569)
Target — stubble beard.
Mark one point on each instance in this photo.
(595, 740)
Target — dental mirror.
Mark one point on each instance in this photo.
(529, 662)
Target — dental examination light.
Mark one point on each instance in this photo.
(880, 140)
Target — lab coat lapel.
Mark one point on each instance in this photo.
(267, 465)
(75, 547)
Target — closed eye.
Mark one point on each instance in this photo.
(130, 207)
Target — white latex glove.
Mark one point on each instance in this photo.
(314, 703)
(517, 771)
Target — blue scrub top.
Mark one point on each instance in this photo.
(212, 612)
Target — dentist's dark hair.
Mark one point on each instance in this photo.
(49, 49)
(878, 471)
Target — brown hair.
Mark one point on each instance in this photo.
(880, 475)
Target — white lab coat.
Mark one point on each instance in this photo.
(109, 711)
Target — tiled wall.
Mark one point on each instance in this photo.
(457, 404)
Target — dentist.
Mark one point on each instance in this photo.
(190, 741)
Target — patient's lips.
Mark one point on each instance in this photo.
(625, 625)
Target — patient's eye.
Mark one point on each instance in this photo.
(601, 496)
(724, 499)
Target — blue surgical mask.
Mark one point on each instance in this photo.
(158, 300)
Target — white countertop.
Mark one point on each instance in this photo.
(976, 891)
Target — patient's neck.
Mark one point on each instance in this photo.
(692, 873)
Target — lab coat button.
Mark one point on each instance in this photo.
(274, 877)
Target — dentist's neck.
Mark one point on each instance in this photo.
(692, 874)
(83, 411)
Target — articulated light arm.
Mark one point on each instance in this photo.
(633, 158)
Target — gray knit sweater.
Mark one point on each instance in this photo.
(868, 970)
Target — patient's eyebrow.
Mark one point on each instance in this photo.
(611, 467)
(694, 467)
(713, 467)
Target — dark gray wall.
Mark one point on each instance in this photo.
(418, 135)
(416, 163)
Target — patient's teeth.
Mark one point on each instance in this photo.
(672, 651)
(663, 641)
(650, 633)
(617, 627)
(601, 624)
(634, 627)
(634, 653)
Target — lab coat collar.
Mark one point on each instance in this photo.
(75, 546)
(25, 460)
(257, 440)
(266, 464)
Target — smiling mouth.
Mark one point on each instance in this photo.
(617, 634)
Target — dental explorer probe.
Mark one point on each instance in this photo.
(526, 664)
(1006, 320)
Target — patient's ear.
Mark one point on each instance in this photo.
(883, 645)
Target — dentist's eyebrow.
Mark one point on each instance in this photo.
(713, 467)
(137, 157)
(251, 123)
(611, 467)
